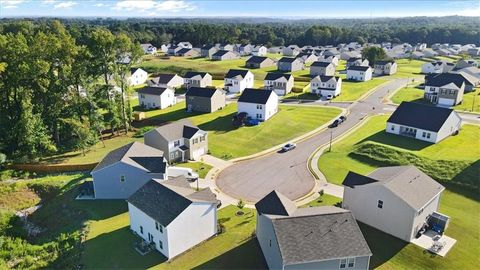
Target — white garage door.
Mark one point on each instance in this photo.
(445, 101)
(198, 153)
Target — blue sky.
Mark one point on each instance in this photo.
(245, 8)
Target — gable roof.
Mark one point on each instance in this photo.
(275, 203)
(164, 201)
(289, 59)
(258, 96)
(149, 90)
(354, 179)
(420, 116)
(257, 59)
(384, 62)
(201, 91)
(163, 78)
(191, 74)
(151, 158)
(221, 53)
(235, 73)
(321, 64)
(445, 78)
(176, 130)
(272, 76)
(323, 78)
(358, 68)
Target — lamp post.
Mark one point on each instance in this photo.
(331, 136)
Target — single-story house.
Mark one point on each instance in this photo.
(221, 55)
(166, 80)
(396, 200)
(388, 67)
(359, 73)
(236, 80)
(322, 69)
(137, 76)
(280, 83)
(156, 97)
(258, 103)
(324, 237)
(208, 99)
(162, 213)
(180, 141)
(197, 79)
(445, 89)
(259, 62)
(290, 64)
(326, 85)
(124, 170)
(423, 122)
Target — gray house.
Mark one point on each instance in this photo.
(208, 50)
(222, 55)
(207, 99)
(197, 79)
(324, 237)
(173, 50)
(124, 170)
(280, 83)
(259, 62)
(356, 61)
(290, 64)
(388, 67)
(180, 141)
(322, 69)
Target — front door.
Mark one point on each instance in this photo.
(434, 99)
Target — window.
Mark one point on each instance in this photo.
(351, 262)
(176, 143)
(343, 263)
(259, 107)
(141, 229)
(142, 96)
(195, 140)
(172, 155)
(380, 204)
(424, 134)
(202, 139)
(428, 135)
(270, 243)
(392, 127)
(259, 116)
(122, 178)
(160, 244)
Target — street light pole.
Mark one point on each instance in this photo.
(473, 103)
(331, 136)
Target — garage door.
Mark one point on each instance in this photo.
(445, 101)
(198, 153)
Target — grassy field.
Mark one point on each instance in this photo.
(416, 95)
(352, 91)
(407, 68)
(199, 167)
(463, 149)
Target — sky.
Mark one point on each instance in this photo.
(234, 8)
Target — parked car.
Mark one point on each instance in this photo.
(289, 146)
(343, 118)
(328, 97)
(252, 122)
(239, 119)
(334, 124)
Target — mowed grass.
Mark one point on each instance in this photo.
(471, 100)
(352, 91)
(199, 167)
(407, 68)
(109, 245)
(336, 164)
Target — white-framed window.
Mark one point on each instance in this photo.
(343, 263)
(380, 204)
(158, 227)
(259, 116)
(424, 134)
(351, 263)
(122, 178)
(202, 139)
(428, 135)
(392, 127)
(259, 106)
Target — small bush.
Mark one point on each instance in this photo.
(140, 132)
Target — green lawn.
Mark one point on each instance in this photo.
(324, 200)
(199, 167)
(407, 68)
(352, 91)
(416, 95)
(463, 148)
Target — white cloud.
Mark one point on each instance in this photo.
(48, 2)
(100, 5)
(68, 4)
(154, 6)
(9, 4)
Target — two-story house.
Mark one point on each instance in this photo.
(290, 64)
(180, 141)
(236, 80)
(387, 67)
(329, 59)
(259, 50)
(208, 99)
(172, 81)
(437, 67)
(356, 61)
(280, 83)
(208, 50)
(445, 89)
(137, 76)
(258, 103)
(322, 69)
(197, 79)
(359, 73)
(156, 97)
(326, 86)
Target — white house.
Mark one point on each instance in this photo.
(171, 216)
(197, 79)
(322, 68)
(259, 50)
(423, 122)
(185, 44)
(291, 50)
(124, 170)
(156, 97)
(166, 80)
(359, 73)
(280, 83)
(258, 103)
(387, 67)
(325, 237)
(326, 86)
(437, 67)
(137, 76)
(148, 48)
(329, 59)
(396, 200)
(236, 80)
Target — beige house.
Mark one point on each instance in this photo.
(259, 62)
(222, 55)
(384, 68)
(322, 69)
(206, 99)
(197, 79)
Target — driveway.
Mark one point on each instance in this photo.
(287, 172)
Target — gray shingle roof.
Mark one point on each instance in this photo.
(164, 201)
(201, 92)
(321, 64)
(421, 116)
(257, 96)
(358, 68)
(148, 90)
(354, 179)
(256, 59)
(176, 130)
(191, 74)
(272, 76)
(163, 78)
(234, 73)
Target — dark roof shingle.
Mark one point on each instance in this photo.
(258, 96)
(420, 116)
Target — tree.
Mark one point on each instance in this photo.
(374, 54)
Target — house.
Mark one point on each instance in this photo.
(137, 76)
(180, 141)
(124, 170)
(173, 50)
(164, 48)
(359, 73)
(350, 54)
(354, 61)
(326, 85)
(466, 63)
(292, 50)
(185, 44)
(471, 75)
(259, 62)
(156, 97)
(259, 50)
(226, 47)
(148, 48)
(324, 237)
(197, 79)
(245, 49)
(396, 200)
(322, 68)
(473, 51)
(423, 122)
(275, 49)
(187, 52)
(417, 55)
(208, 99)
(307, 58)
(437, 67)
(208, 50)
(280, 83)
(236, 80)
(222, 55)
(162, 213)
(388, 67)
(290, 64)
(258, 103)
(443, 52)
(171, 81)
(329, 59)
(445, 89)
(430, 53)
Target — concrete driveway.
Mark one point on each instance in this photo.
(287, 172)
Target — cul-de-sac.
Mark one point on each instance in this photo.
(188, 134)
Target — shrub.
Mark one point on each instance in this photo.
(140, 132)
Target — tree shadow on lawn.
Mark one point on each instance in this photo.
(467, 182)
(248, 255)
(115, 250)
(219, 125)
(399, 141)
(165, 118)
(383, 246)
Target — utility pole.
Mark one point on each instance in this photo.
(473, 103)
(331, 137)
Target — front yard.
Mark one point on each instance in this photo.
(352, 91)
